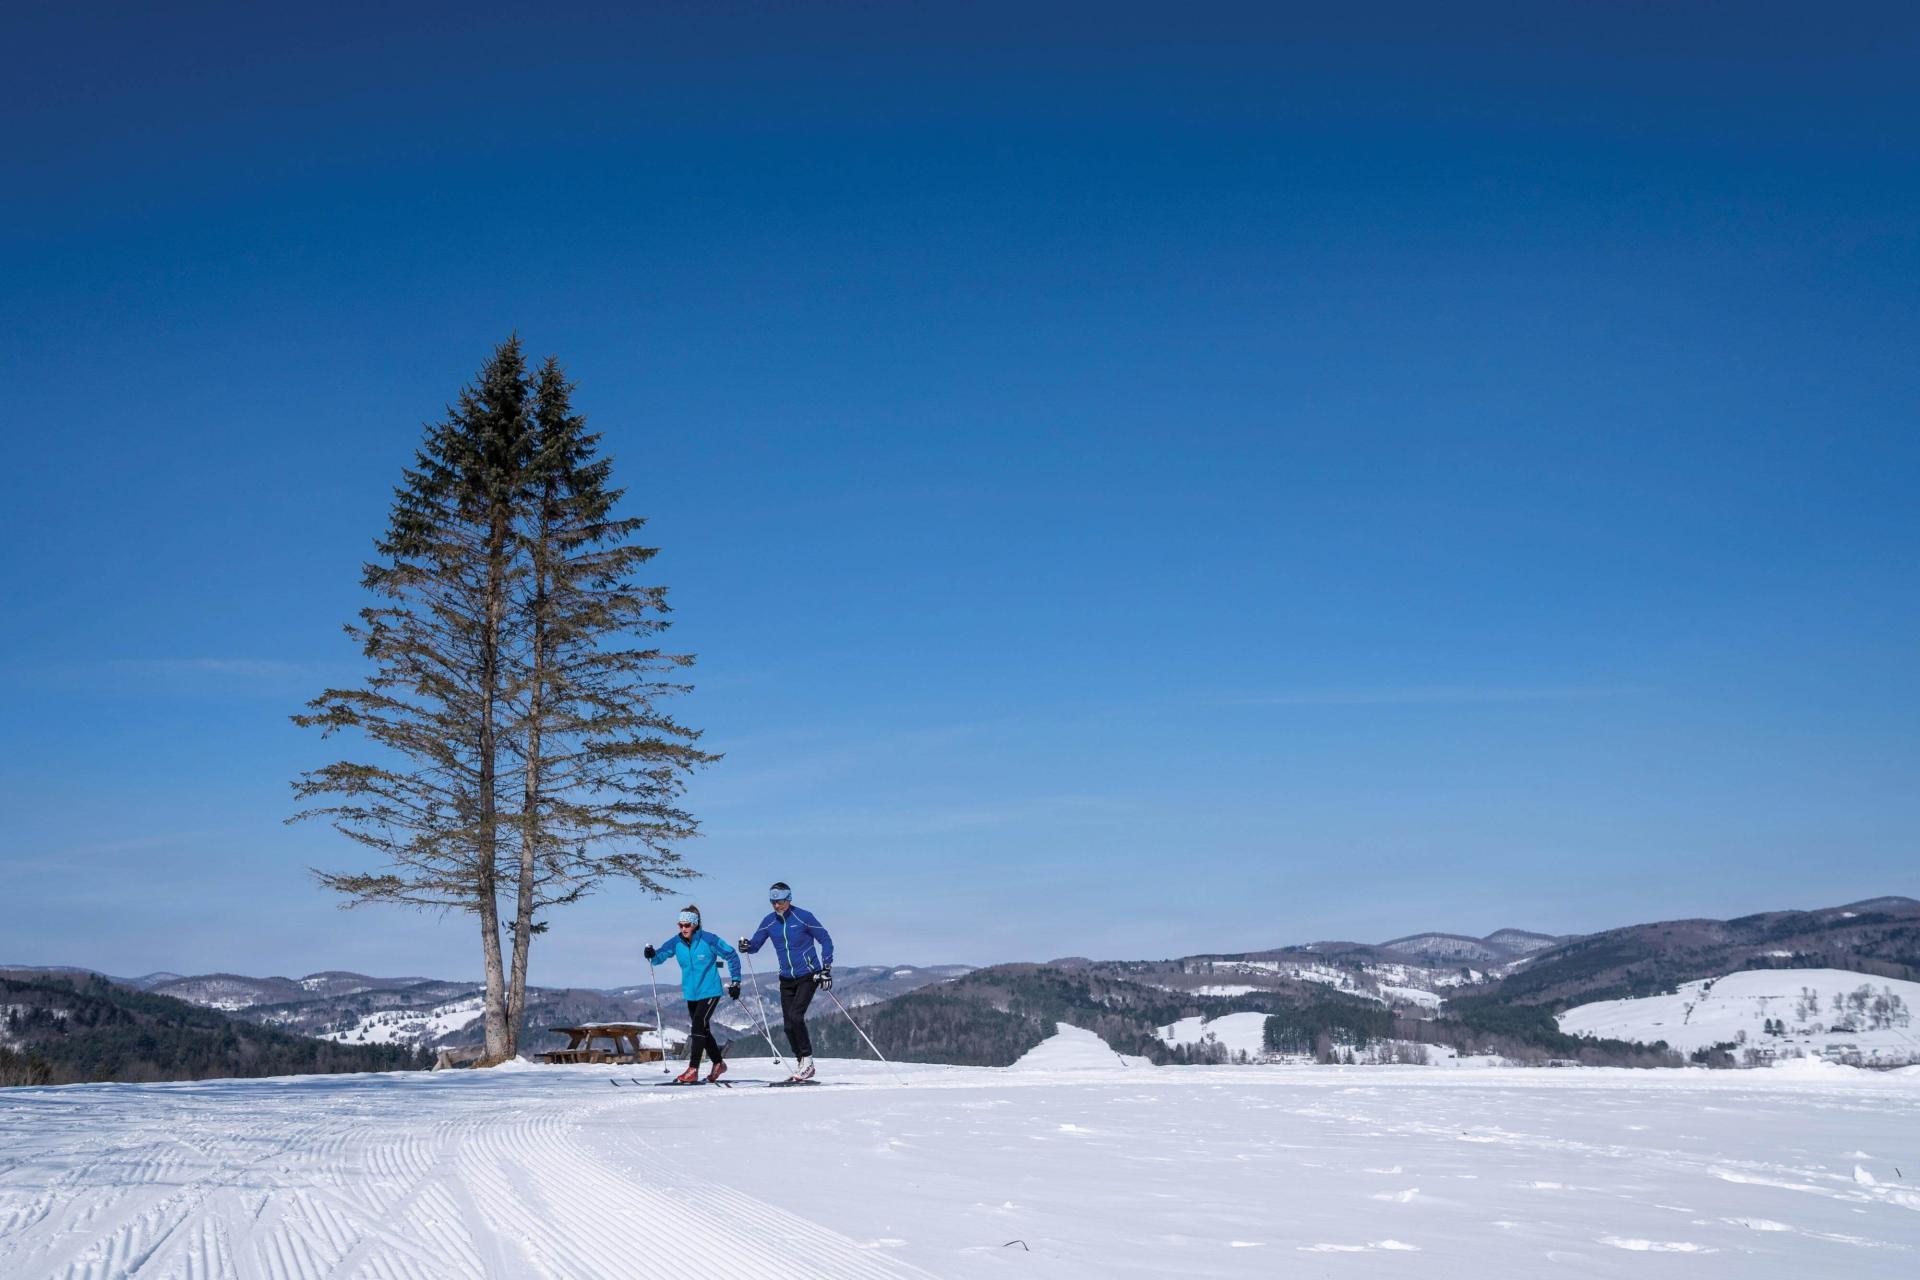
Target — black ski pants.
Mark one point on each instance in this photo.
(795, 995)
(700, 1013)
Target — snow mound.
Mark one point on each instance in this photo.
(1073, 1049)
(517, 1064)
(1818, 1067)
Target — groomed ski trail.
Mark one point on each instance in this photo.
(1102, 1169)
(481, 1194)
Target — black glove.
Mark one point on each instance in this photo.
(745, 943)
(825, 978)
(733, 991)
(648, 952)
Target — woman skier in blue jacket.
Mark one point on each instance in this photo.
(802, 971)
(699, 954)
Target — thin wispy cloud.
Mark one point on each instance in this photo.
(64, 859)
(1051, 812)
(242, 668)
(769, 765)
(1429, 695)
(174, 674)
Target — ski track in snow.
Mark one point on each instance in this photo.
(1099, 1167)
(522, 1189)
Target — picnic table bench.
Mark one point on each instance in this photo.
(624, 1037)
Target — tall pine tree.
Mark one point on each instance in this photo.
(439, 698)
(525, 760)
(602, 766)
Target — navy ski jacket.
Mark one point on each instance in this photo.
(700, 963)
(793, 936)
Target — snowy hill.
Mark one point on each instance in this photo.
(1452, 948)
(1770, 1013)
(233, 992)
(1065, 1167)
(1072, 1048)
(1879, 935)
(79, 1026)
(1521, 941)
(412, 1026)
(145, 982)
(1239, 1035)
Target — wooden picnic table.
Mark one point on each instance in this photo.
(623, 1036)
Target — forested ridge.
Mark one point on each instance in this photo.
(68, 1029)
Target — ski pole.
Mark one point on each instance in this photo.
(864, 1036)
(659, 1027)
(760, 1006)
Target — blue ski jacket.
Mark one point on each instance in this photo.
(700, 963)
(793, 936)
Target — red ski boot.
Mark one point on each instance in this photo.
(690, 1076)
(719, 1069)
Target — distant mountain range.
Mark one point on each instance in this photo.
(138, 984)
(1498, 947)
(1442, 992)
(430, 1013)
(1508, 985)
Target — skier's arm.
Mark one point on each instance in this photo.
(665, 949)
(733, 959)
(758, 940)
(819, 931)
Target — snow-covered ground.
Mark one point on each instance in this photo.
(1235, 1032)
(410, 1026)
(1816, 1010)
(1326, 975)
(1411, 995)
(1372, 981)
(1073, 1048)
(1069, 1165)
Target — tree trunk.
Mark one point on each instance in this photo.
(530, 824)
(500, 1044)
(502, 1034)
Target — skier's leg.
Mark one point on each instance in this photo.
(709, 1007)
(697, 1011)
(695, 1040)
(795, 995)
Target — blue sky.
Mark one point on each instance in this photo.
(1138, 482)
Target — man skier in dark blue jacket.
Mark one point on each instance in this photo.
(793, 933)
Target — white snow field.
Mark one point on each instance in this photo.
(1236, 1032)
(1074, 1049)
(1073, 1164)
(1820, 1011)
(410, 1026)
